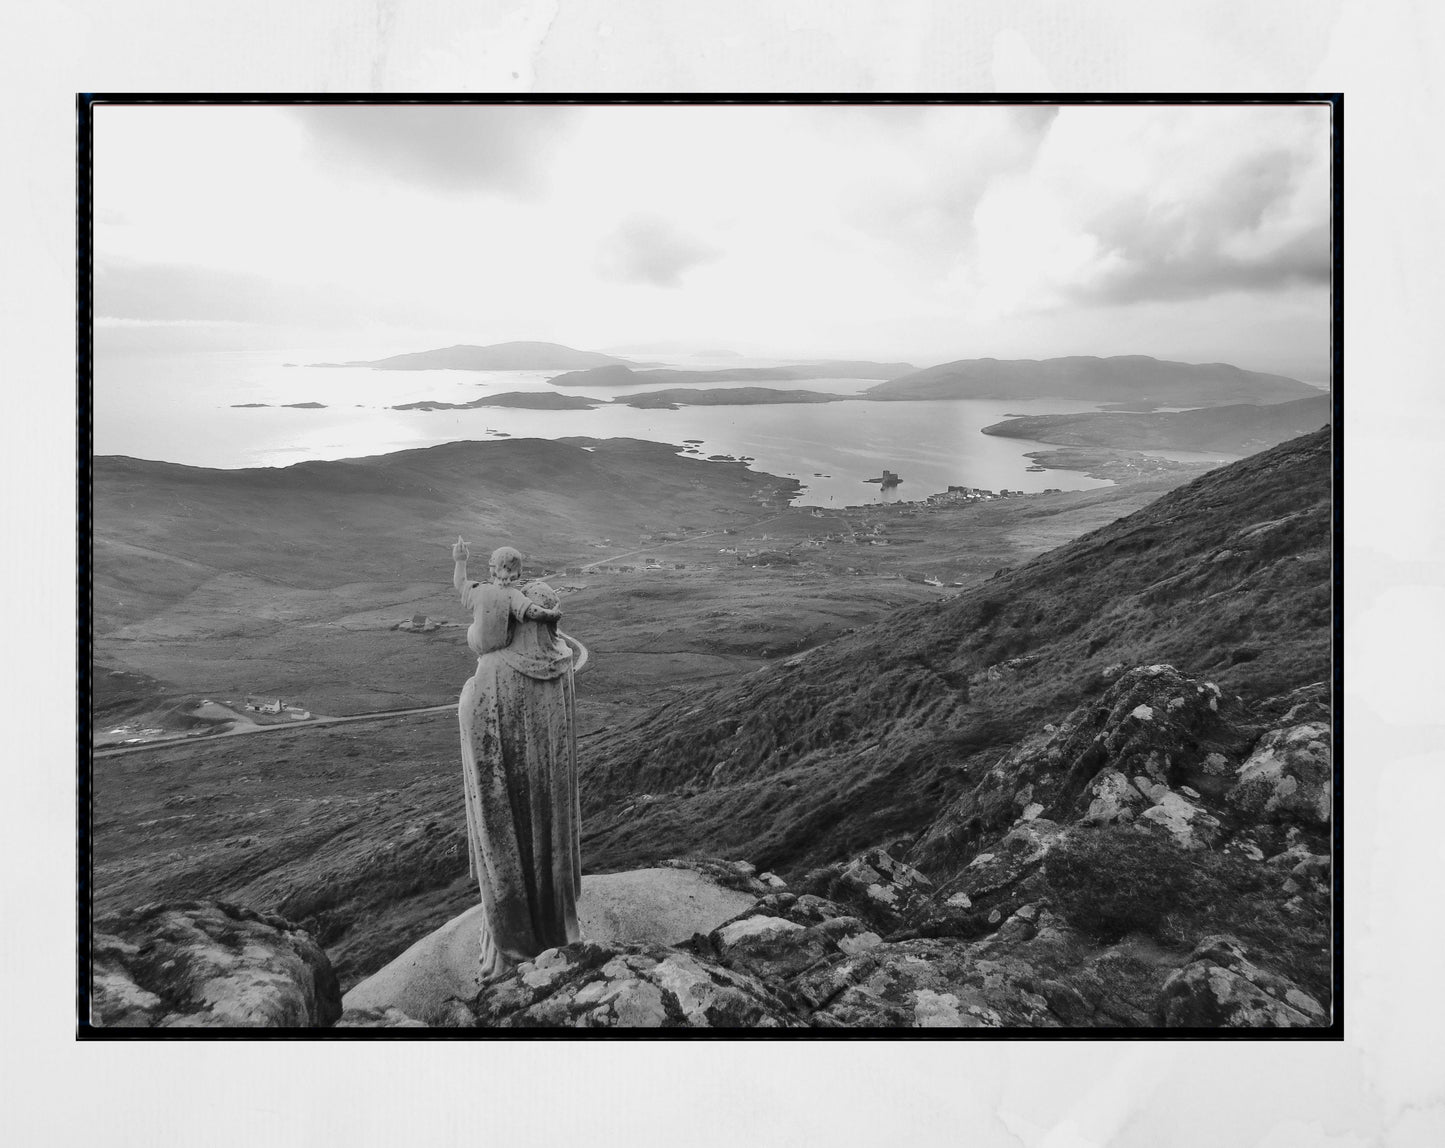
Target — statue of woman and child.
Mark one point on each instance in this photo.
(519, 763)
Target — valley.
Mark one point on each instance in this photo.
(791, 703)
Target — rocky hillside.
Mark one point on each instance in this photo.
(1095, 791)
(1138, 380)
(866, 738)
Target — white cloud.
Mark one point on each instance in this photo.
(650, 250)
(912, 231)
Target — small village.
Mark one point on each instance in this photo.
(796, 537)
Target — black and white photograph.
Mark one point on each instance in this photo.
(811, 566)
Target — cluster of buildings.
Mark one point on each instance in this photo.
(265, 705)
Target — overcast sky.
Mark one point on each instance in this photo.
(899, 232)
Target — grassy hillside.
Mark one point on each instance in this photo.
(1238, 428)
(213, 583)
(869, 736)
(162, 530)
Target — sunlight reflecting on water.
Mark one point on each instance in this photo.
(185, 408)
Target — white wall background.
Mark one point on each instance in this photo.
(1384, 1085)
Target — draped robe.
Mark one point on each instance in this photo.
(519, 774)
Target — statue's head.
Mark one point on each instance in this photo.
(506, 564)
(542, 594)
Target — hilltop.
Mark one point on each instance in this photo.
(1239, 428)
(514, 356)
(1139, 380)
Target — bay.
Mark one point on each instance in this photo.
(186, 407)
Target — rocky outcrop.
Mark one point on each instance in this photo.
(933, 983)
(590, 985)
(876, 885)
(656, 906)
(376, 1018)
(1100, 874)
(785, 936)
(204, 964)
(1154, 733)
(1288, 776)
(1221, 987)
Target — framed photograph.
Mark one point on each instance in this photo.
(659, 565)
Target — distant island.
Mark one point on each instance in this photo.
(1136, 379)
(721, 397)
(1235, 429)
(532, 400)
(496, 357)
(622, 375)
(306, 406)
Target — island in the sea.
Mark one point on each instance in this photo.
(621, 375)
(514, 356)
(721, 397)
(1239, 428)
(530, 400)
(1139, 380)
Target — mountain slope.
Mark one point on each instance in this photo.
(870, 736)
(1235, 429)
(1122, 378)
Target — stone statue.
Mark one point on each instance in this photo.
(519, 763)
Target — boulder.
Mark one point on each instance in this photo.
(875, 885)
(785, 936)
(993, 886)
(1186, 822)
(607, 985)
(1288, 776)
(207, 963)
(1113, 798)
(663, 905)
(1220, 987)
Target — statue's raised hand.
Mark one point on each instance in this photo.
(459, 550)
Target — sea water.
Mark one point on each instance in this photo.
(186, 407)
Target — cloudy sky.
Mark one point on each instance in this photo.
(924, 233)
